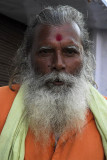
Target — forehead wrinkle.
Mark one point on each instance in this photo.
(73, 43)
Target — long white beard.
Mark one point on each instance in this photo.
(55, 109)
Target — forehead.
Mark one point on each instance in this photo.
(63, 33)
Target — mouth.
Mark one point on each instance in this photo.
(57, 82)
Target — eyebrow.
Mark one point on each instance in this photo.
(75, 45)
(45, 47)
(72, 47)
(69, 47)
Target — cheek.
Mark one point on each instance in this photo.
(74, 65)
(42, 65)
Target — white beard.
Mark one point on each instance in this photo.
(55, 109)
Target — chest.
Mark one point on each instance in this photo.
(83, 146)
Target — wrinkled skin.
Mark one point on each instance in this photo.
(50, 53)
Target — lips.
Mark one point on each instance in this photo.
(58, 82)
(55, 82)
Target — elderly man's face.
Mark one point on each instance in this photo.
(57, 48)
(51, 96)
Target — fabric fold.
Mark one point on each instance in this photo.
(98, 106)
(12, 138)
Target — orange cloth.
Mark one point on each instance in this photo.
(86, 145)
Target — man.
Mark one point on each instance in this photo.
(49, 115)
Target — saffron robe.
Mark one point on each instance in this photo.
(86, 145)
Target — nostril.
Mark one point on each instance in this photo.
(58, 67)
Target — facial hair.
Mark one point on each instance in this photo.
(53, 109)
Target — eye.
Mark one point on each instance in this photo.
(45, 52)
(70, 51)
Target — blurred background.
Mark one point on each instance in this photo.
(15, 16)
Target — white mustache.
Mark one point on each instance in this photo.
(53, 76)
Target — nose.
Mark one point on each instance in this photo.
(58, 62)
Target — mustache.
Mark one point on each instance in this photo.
(66, 78)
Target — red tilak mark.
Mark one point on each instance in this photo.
(58, 37)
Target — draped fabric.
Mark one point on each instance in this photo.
(98, 106)
(12, 145)
(12, 138)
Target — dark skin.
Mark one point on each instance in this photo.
(57, 48)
